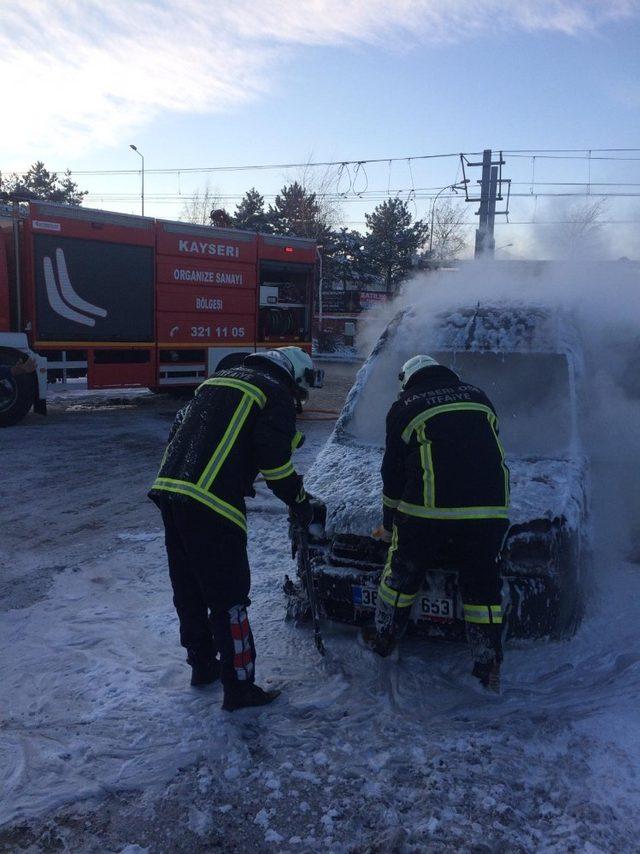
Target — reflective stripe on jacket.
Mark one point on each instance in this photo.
(239, 422)
(443, 457)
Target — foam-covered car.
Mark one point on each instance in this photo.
(528, 360)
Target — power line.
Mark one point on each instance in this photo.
(533, 222)
(264, 166)
(570, 222)
(372, 197)
(578, 153)
(550, 153)
(583, 151)
(573, 157)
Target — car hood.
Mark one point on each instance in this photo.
(347, 477)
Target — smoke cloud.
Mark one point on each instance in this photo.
(603, 300)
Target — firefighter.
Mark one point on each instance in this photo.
(241, 420)
(445, 502)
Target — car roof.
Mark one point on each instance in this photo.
(512, 328)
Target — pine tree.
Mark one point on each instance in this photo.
(393, 242)
(250, 213)
(220, 218)
(296, 212)
(345, 260)
(38, 182)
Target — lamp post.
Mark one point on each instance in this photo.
(455, 187)
(319, 257)
(142, 185)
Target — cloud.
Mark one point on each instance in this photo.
(81, 74)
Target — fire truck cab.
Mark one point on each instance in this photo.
(131, 301)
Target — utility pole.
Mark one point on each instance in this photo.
(485, 241)
(489, 243)
(490, 192)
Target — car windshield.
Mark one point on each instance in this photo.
(530, 392)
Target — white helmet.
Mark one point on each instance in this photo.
(415, 364)
(296, 363)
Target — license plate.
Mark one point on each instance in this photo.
(436, 609)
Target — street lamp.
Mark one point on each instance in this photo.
(142, 186)
(455, 187)
(319, 257)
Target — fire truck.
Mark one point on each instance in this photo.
(131, 301)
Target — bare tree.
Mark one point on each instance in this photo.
(450, 229)
(197, 209)
(581, 232)
(323, 184)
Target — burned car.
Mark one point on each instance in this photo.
(528, 360)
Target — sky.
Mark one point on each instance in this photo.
(205, 83)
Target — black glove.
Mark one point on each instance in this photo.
(388, 516)
(302, 512)
(309, 511)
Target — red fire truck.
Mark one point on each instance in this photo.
(139, 302)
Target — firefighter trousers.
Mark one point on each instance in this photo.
(209, 572)
(472, 547)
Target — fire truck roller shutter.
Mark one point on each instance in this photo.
(93, 290)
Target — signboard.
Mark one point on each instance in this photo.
(349, 302)
(204, 330)
(90, 290)
(339, 302)
(371, 299)
(175, 298)
(210, 274)
(189, 242)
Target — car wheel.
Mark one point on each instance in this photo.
(570, 587)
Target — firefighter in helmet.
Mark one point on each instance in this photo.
(445, 502)
(241, 421)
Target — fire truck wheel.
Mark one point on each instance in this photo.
(18, 394)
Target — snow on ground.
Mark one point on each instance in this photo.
(104, 747)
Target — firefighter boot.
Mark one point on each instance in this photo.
(382, 644)
(204, 669)
(485, 641)
(390, 625)
(242, 695)
(489, 675)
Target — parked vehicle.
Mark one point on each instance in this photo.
(131, 301)
(529, 362)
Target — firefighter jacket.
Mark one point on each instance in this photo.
(240, 421)
(443, 458)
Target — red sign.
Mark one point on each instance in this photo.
(179, 299)
(198, 329)
(209, 273)
(213, 244)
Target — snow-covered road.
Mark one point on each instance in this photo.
(103, 745)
